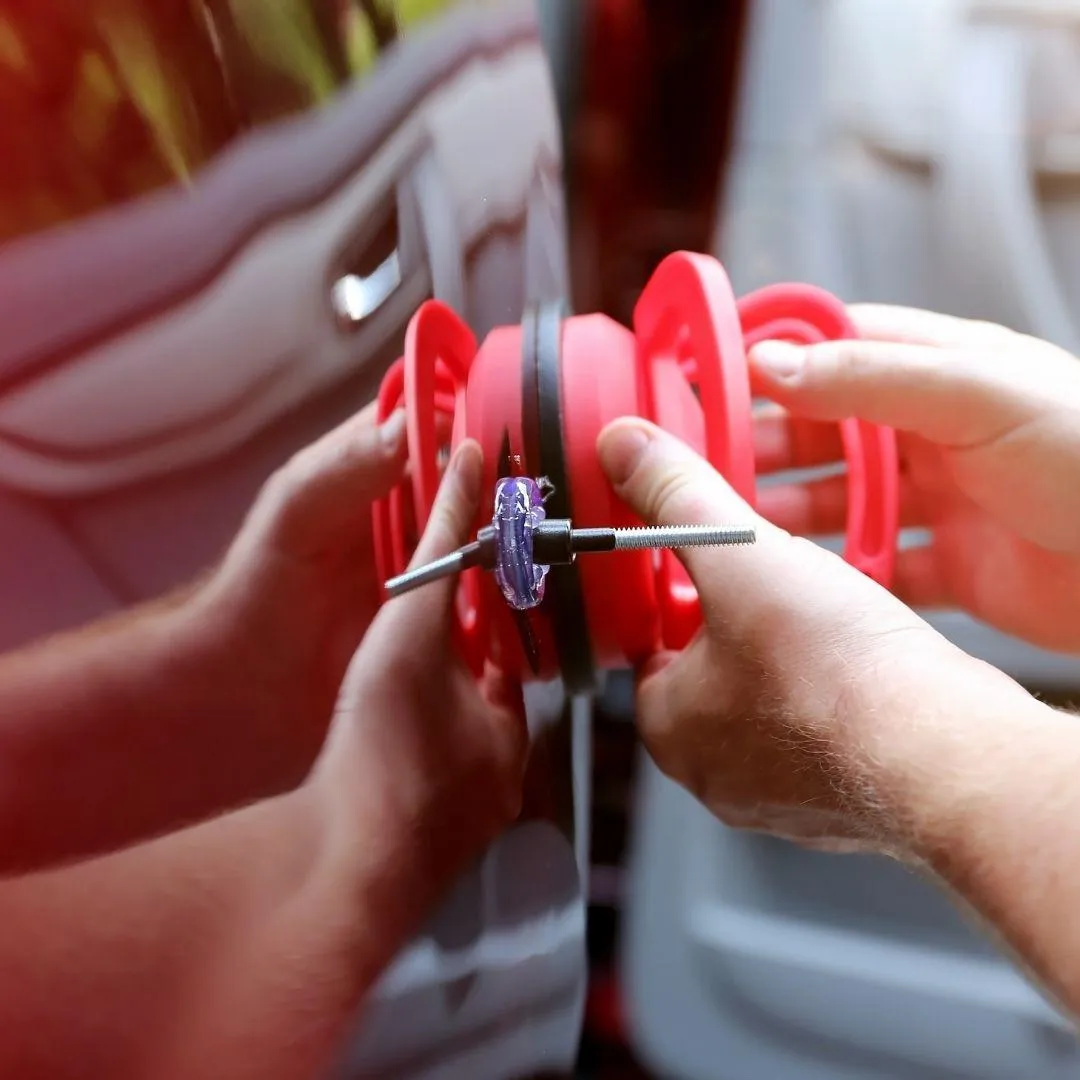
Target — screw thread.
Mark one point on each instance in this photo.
(682, 536)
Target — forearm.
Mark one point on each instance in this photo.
(1011, 849)
(126, 729)
(239, 948)
(992, 805)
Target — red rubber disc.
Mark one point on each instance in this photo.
(687, 321)
(431, 382)
(599, 385)
(804, 314)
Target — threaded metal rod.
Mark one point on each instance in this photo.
(454, 563)
(554, 541)
(682, 536)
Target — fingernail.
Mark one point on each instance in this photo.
(621, 447)
(392, 431)
(778, 359)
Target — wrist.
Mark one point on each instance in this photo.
(996, 832)
(307, 934)
(1000, 767)
(378, 861)
(238, 641)
(934, 733)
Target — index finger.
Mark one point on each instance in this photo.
(323, 490)
(914, 326)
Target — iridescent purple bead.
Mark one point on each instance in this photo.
(519, 508)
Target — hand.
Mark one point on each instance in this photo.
(417, 743)
(989, 426)
(812, 703)
(297, 589)
(276, 918)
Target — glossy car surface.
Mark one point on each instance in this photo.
(216, 219)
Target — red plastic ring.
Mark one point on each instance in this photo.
(439, 348)
(805, 314)
(430, 380)
(393, 519)
(687, 320)
(386, 513)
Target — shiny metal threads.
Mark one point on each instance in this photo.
(682, 536)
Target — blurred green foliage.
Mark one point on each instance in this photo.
(103, 100)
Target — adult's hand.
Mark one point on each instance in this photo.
(815, 705)
(808, 703)
(246, 945)
(441, 755)
(423, 767)
(298, 587)
(221, 694)
(989, 424)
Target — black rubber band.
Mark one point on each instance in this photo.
(530, 395)
(564, 601)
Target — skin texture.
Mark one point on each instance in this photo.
(244, 946)
(817, 706)
(813, 704)
(211, 698)
(990, 445)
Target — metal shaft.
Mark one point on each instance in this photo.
(450, 564)
(682, 536)
(555, 541)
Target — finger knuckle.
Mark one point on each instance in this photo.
(513, 743)
(848, 361)
(275, 510)
(991, 332)
(672, 731)
(282, 485)
(660, 731)
(511, 789)
(676, 496)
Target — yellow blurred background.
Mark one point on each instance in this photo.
(103, 100)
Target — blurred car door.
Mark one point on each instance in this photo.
(216, 219)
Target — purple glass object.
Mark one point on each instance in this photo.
(519, 508)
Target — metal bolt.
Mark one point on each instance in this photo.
(554, 541)
(652, 537)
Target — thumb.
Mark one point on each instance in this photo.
(665, 483)
(954, 397)
(776, 608)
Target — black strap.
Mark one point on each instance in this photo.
(545, 451)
